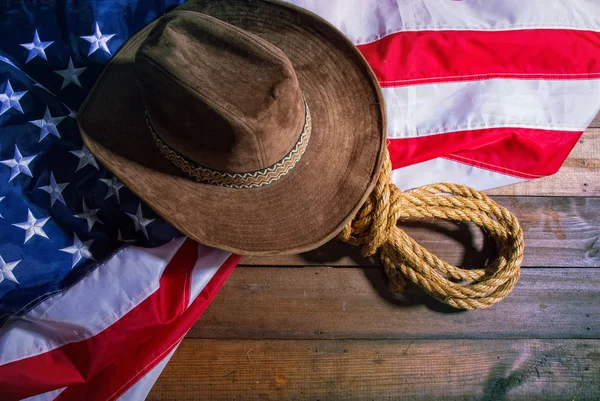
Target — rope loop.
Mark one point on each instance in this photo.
(374, 229)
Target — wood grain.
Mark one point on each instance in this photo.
(354, 303)
(595, 122)
(382, 370)
(579, 175)
(559, 232)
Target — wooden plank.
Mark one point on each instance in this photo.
(577, 177)
(378, 370)
(595, 122)
(354, 303)
(559, 232)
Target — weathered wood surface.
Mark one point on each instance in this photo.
(289, 333)
(382, 370)
(354, 303)
(595, 122)
(578, 176)
(559, 232)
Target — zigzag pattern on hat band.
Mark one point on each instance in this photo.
(253, 179)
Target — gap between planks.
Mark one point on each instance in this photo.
(354, 303)
(376, 370)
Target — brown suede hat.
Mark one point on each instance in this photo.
(253, 126)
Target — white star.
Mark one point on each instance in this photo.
(33, 226)
(1, 199)
(18, 164)
(97, 40)
(70, 75)
(6, 270)
(48, 125)
(140, 221)
(113, 187)
(36, 48)
(10, 99)
(55, 190)
(120, 237)
(72, 113)
(85, 158)
(90, 216)
(79, 250)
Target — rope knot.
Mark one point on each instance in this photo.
(374, 229)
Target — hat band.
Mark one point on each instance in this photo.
(252, 179)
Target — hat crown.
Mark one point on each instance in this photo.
(219, 96)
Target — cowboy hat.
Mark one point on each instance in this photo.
(251, 126)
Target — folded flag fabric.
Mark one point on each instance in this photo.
(479, 93)
(96, 291)
(109, 335)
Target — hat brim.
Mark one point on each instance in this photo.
(297, 213)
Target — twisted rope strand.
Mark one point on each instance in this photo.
(374, 229)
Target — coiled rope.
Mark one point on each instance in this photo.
(374, 229)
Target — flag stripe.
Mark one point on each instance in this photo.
(111, 384)
(444, 170)
(49, 396)
(441, 56)
(365, 21)
(208, 262)
(459, 106)
(526, 153)
(92, 369)
(89, 306)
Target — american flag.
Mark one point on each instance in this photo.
(96, 291)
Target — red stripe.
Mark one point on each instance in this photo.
(407, 58)
(532, 154)
(521, 152)
(100, 368)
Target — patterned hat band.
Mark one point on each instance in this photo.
(252, 179)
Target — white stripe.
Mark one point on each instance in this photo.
(90, 306)
(139, 391)
(444, 170)
(209, 261)
(49, 396)
(364, 21)
(429, 109)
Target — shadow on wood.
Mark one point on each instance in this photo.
(412, 296)
(478, 250)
